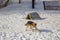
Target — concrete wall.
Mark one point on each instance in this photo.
(52, 3)
(14, 0)
(50, 0)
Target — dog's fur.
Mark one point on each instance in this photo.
(31, 25)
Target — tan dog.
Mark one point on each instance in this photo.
(31, 25)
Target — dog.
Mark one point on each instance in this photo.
(31, 25)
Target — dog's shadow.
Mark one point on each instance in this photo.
(39, 19)
(42, 18)
(45, 30)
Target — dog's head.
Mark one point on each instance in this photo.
(34, 24)
(30, 23)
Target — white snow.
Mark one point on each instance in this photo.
(12, 22)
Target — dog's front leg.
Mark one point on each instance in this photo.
(26, 28)
(31, 27)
